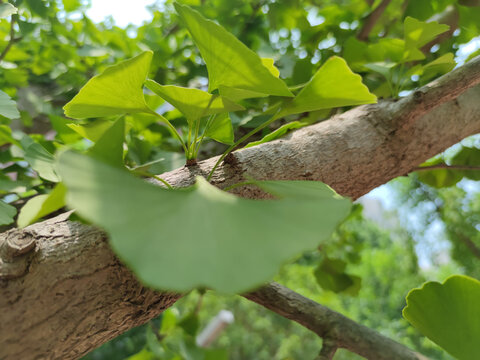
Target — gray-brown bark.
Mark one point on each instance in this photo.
(63, 293)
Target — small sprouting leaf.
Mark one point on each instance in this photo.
(117, 91)
(193, 103)
(282, 130)
(448, 314)
(7, 213)
(334, 85)
(8, 108)
(7, 9)
(109, 147)
(41, 205)
(198, 235)
(41, 161)
(221, 129)
(229, 62)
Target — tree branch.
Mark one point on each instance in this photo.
(65, 291)
(339, 330)
(12, 39)
(371, 20)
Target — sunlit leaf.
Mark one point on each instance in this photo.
(439, 66)
(334, 85)
(7, 213)
(418, 33)
(42, 205)
(221, 129)
(229, 62)
(270, 65)
(92, 130)
(182, 239)
(41, 161)
(193, 103)
(117, 91)
(448, 314)
(109, 147)
(7, 9)
(8, 108)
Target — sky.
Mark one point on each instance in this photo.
(122, 11)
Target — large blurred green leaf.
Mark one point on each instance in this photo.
(193, 103)
(334, 85)
(7, 212)
(41, 205)
(231, 65)
(8, 108)
(448, 314)
(331, 275)
(117, 91)
(200, 236)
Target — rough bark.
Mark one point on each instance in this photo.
(62, 291)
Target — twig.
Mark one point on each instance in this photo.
(12, 39)
(337, 330)
(371, 20)
(329, 348)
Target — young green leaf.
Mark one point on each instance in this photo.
(448, 314)
(270, 65)
(41, 205)
(221, 129)
(7, 213)
(109, 148)
(193, 103)
(117, 91)
(418, 33)
(8, 108)
(334, 85)
(232, 67)
(200, 236)
(41, 161)
(92, 130)
(282, 130)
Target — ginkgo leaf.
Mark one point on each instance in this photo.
(200, 236)
(41, 205)
(7, 213)
(221, 129)
(116, 91)
(418, 33)
(334, 85)
(193, 103)
(109, 147)
(92, 130)
(448, 314)
(8, 108)
(229, 62)
(270, 65)
(41, 161)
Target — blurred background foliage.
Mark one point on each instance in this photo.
(425, 227)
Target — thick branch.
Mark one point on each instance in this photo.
(62, 291)
(334, 327)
